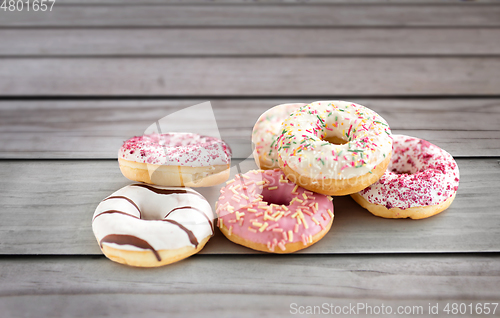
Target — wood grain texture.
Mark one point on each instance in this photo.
(247, 285)
(217, 305)
(245, 42)
(48, 206)
(97, 129)
(261, 2)
(249, 76)
(237, 48)
(105, 145)
(296, 15)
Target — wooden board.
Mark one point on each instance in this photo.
(101, 145)
(221, 286)
(249, 41)
(97, 129)
(250, 76)
(246, 2)
(48, 206)
(226, 305)
(296, 15)
(239, 51)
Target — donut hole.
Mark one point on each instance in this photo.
(403, 169)
(152, 214)
(276, 197)
(401, 172)
(335, 140)
(404, 165)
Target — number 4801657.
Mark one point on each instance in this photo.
(28, 5)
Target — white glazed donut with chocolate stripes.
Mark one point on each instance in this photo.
(148, 226)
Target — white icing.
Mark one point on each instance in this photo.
(161, 235)
(177, 149)
(266, 131)
(303, 148)
(419, 174)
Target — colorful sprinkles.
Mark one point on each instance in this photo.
(265, 133)
(303, 143)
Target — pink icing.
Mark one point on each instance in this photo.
(419, 174)
(246, 203)
(181, 149)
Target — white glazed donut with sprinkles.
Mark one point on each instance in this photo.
(265, 132)
(334, 147)
(421, 181)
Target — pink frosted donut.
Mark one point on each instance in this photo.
(264, 211)
(175, 159)
(266, 131)
(421, 181)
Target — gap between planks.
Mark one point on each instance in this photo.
(97, 128)
(346, 276)
(273, 15)
(223, 285)
(48, 207)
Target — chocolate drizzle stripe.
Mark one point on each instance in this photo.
(114, 211)
(159, 191)
(197, 210)
(123, 239)
(125, 198)
(165, 191)
(190, 234)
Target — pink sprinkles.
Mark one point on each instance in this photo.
(419, 174)
(182, 149)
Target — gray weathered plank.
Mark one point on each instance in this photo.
(381, 76)
(303, 15)
(260, 2)
(229, 305)
(282, 42)
(48, 206)
(105, 145)
(247, 285)
(96, 129)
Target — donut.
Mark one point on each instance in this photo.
(264, 134)
(334, 147)
(175, 159)
(264, 211)
(421, 181)
(148, 226)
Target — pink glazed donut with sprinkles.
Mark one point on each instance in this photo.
(266, 212)
(175, 159)
(421, 181)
